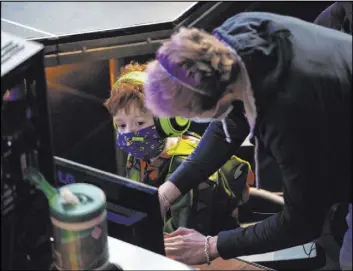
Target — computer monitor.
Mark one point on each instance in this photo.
(133, 208)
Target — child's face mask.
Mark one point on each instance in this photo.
(144, 144)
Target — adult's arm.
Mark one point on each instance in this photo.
(212, 151)
(297, 141)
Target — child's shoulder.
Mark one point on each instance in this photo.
(184, 146)
(191, 137)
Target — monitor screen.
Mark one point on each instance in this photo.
(133, 208)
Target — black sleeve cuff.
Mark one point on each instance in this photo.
(227, 246)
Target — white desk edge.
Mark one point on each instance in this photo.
(130, 257)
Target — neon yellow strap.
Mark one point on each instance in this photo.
(137, 77)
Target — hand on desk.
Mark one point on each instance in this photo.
(188, 246)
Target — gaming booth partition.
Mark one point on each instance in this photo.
(52, 116)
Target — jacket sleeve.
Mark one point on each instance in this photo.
(212, 151)
(291, 135)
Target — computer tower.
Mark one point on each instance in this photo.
(25, 141)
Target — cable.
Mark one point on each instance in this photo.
(312, 245)
(311, 249)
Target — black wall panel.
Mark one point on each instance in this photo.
(82, 127)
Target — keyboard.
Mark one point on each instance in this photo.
(15, 51)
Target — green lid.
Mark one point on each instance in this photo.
(92, 204)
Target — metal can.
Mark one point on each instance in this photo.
(80, 231)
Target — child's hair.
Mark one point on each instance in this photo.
(124, 93)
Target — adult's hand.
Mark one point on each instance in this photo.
(188, 246)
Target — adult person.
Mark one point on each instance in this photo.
(294, 79)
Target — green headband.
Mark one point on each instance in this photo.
(136, 77)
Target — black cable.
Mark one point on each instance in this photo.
(312, 245)
(311, 249)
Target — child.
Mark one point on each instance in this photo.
(157, 147)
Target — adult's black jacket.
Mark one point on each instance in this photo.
(301, 76)
(337, 16)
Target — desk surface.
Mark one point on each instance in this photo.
(130, 257)
(232, 264)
